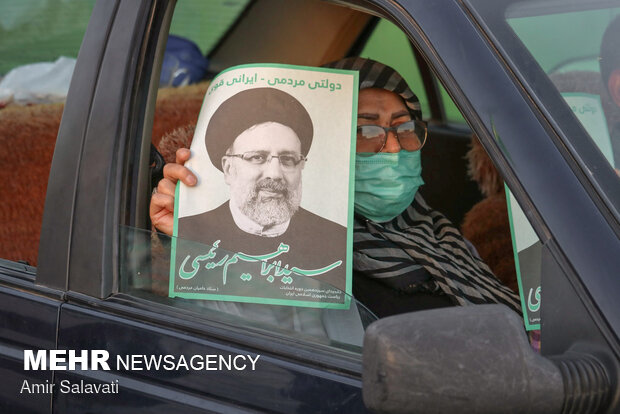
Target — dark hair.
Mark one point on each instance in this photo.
(252, 107)
(610, 50)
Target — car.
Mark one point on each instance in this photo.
(493, 68)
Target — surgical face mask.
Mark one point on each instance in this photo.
(386, 183)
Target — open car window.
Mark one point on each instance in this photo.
(145, 255)
(188, 63)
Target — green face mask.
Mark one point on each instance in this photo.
(386, 183)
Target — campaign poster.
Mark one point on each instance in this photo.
(526, 245)
(528, 261)
(270, 219)
(589, 111)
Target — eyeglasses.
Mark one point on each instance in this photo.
(411, 136)
(287, 160)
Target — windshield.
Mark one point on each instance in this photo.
(566, 52)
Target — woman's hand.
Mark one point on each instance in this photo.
(161, 209)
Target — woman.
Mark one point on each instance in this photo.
(406, 256)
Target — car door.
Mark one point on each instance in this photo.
(29, 316)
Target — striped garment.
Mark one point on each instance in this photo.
(423, 237)
(420, 241)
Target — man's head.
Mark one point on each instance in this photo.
(610, 59)
(263, 169)
(259, 139)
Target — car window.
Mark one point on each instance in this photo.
(451, 112)
(563, 56)
(145, 254)
(39, 42)
(41, 31)
(191, 58)
(504, 237)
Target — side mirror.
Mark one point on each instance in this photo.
(473, 359)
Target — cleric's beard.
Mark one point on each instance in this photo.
(265, 209)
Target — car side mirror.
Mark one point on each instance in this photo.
(472, 359)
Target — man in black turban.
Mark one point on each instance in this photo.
(259, 138)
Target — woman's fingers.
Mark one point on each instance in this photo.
(175, 172)
(166, 187)
(161, 211)
(182, 155)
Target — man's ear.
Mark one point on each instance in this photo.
(613, 85)
(226, 168)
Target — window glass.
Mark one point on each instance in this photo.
(569, 47)
(503, 236)
(542, 34)
(39, 41)
(563, 47)
(452, 113)
(146, 273)
(41, 31)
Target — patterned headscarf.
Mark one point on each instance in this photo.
(419, 237)
(373, 74)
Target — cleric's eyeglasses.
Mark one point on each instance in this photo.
(288, 160)
(411, 136)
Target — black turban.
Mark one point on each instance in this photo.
(252, 107)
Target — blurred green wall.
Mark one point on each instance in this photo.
(41, 30)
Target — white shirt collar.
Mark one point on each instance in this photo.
(247, 225)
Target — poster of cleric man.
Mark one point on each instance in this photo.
(270, 218)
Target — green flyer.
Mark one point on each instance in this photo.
(270, 219)
(527, 251)
(589, 111)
